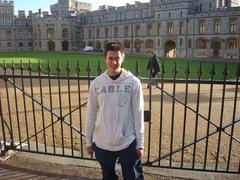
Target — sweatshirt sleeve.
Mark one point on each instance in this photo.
(91, 115)
(138, 113)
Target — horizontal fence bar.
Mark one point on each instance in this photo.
(145, 80)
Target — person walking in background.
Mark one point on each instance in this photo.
(153, 67)
(115, 125)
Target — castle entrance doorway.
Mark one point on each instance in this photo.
(170, 49)
(51, 45)
(65, 45)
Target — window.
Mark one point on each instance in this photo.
(201, 44)
(82, 33)
(201, 27)
(169, 15)
(65, 33)
(189, 43)
(149, 43)
(216, 43)
(50, 33)
(232, 44)
(20, 44)
(149, 30)
(106, 32)
(137, 45)
(233, 26)
(89, 33)
(216, 27)
(126, 31)
(97, 32)
(8, 34)
(30, 44)
(115, 31)
(9, 44)
(126, 44)
(137, 30)
(180, 42)
(181, 26)
(170, 28)
(158, 28)
(29, 34)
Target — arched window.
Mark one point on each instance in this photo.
(216, 43)
(106, 32)
(50, 33)
(201, 44)
(137, 30)
(149, 30)
(97, 32)
(232, 44)
(65, 33)
(126, 31)
(89, 33)
(158, 28)
(137, 45)
(149, 43)
(116, 31)
(126, 43)
(98, 44)
(170, 27)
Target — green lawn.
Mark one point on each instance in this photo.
(73, 58)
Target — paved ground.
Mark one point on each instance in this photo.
(19, 166)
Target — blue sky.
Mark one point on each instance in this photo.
(34, 5)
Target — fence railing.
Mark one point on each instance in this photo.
(190, 124)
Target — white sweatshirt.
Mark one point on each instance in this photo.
(115, 112)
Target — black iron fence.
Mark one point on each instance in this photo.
(189, 124)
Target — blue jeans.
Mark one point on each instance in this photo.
(130, 163)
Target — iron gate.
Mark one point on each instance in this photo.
(189, 124)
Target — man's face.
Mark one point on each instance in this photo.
(114, 60)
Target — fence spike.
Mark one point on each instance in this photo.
(49, 67)
(213, 70)
(68, 67)
(78, 68)
(238, 71)
(21, 65)
(13, 66)
(225, 71)
(39, 68)
(137, 69)
(187, 70)
(174, 71)
(163, 68)
(4, 65)
(88, 69)
(99, 69)
(29, 66)
(58, 67)
(200, 71)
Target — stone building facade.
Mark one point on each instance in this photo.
(15, 32)
(172, 28)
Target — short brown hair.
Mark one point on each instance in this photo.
(113, 46)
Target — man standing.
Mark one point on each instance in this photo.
(115, 126)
